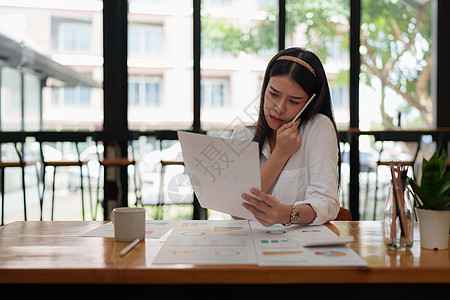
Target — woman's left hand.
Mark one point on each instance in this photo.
(268, 210)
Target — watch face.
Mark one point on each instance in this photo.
(296, 218)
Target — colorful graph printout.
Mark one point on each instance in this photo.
(331, 253)
(209, 243)
(227, 229)
(284, 248)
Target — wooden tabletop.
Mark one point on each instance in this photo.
(54, 252)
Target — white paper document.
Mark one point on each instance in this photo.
(216, 242)
(221, 170)
(283, 246)
(213, 242)
(154, 229)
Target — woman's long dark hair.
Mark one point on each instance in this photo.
(311, 84)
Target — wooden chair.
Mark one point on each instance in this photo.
(104, 138)
(343, 215)
(74, 139)
(17, 141)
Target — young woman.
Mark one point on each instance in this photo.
(299, 160)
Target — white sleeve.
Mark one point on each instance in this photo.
(322, 153)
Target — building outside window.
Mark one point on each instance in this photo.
(215, 93)
(71, 35)
(144, 91)
(145, 39)
(71, 96)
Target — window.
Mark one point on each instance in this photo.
(71, 96)
(11, 89)
(71, 35)
(339, 97)
(238, 38)
(160, 61)
(32, 90)
(144, 91)
(215, 93)
(145, 39)
(305, 27)
(396, 62)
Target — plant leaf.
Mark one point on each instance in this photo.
(442, 161)
(416, 189)
(430, 179)
(440, 204)
(434, 190)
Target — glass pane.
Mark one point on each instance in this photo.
(396, 63)
(70, 34)
(238, 40)
(11, 110)
(323, 28)
(395, 87)
(160, 64)
(32, 90)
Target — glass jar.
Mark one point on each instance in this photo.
(398, 220)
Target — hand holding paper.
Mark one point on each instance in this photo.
(221, 170)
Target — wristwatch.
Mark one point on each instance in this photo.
(294, 217)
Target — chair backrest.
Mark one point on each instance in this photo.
(167, 139)
(16, 140)
(12, 137)
(442, 138)
(119, 136)
(163, 136)
(60, 137)
(343, 215)
(115, 137)
(400, 136)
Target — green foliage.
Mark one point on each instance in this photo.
(395, 40)
(230, 38)
(323, 21)
(434, 189)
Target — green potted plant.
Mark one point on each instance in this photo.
(432, 201)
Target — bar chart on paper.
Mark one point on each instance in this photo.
(279, 247)
(227, 229)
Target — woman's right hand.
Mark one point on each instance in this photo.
(288, 140)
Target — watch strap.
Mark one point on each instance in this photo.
(294, 217)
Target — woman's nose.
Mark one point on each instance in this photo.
(280, 107)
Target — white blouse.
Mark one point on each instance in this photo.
(310, 174)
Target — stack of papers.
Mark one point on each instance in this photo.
(242, 242)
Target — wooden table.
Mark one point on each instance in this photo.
(53, 252)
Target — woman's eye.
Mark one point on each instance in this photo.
(294, 102)
(273, 94)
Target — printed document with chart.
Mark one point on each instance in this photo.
(234, 242)
(220, 170)
(209, 242)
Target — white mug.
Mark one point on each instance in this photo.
(129, 223)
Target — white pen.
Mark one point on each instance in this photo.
(129, 247)
(300, 112)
